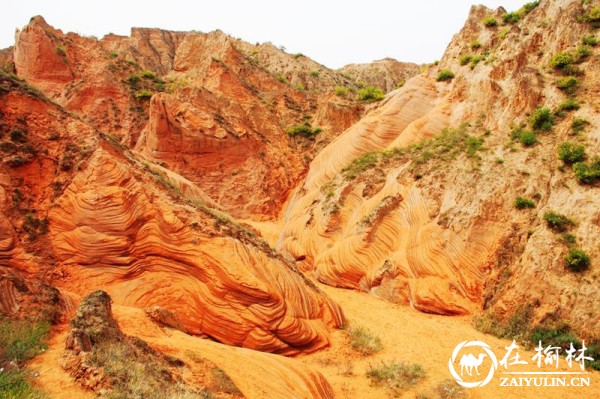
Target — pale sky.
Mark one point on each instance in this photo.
(334, 33)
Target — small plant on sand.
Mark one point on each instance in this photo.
(444, 75)
(558, 222)
(364, 341)
(542, 119)
(590, 40)
(587, 173)
(522, 203)
(396, 376)
(571, 153)
(568, 84)
(567, 105)
(304, 130)
(578, 125)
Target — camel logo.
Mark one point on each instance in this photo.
(469, 364)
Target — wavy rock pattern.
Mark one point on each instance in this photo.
(258, 375)
(110, 231)
(377, 130)
(390, 244)
(440, 239)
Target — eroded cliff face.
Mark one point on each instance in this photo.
(93, 214)
(432, 223)
(207, 106)
(127, 163)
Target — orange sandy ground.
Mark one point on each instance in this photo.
(407, 335)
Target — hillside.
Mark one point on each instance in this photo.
(246, 211)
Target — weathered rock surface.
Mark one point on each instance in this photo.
(86, 219)
(434, 224)
(387, 74)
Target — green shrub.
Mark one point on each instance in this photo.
(445, 75)
(578, 125)
(528, 7)
(396, 376)
(144, 94)
(581, 53)
(511, 18)
(577, 260)
(526, 137)
(542, 119)
(304, 130)
(562, 60)
(568, 239)
(364, 341)
(476, 60)
(133, 79)
(568, 105)
(465, 59)
(149, 75)
(587, 173)
(558, 222)
(281, 79)
(567, 84)
(562, 336)
(475, 44)
(370, 93)
(490, 21)
(590, 40)
(360, 164)
(298, 55)
(593, 17)
(522, 203)
(315, 73)
(61, 50)
(571, 153)
(341, 91)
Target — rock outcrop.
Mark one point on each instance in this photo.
(432, 222)
(387, 74)
(82, 219)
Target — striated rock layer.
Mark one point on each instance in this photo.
(220, 108)
(90, 215)
(398, 206)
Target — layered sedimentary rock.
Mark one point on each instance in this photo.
(250, 95)
(81, 211)
(111, 230)
(432, 222)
